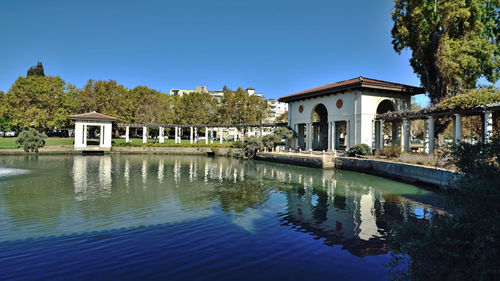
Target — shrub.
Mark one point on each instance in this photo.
(359, 149)
(393, 151)
(31, 140)
(270, 141)
(466, 245)
(252, 146)
(238, 144)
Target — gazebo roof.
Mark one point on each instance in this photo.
(351, 84)
(92, 116)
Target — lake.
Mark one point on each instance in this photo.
(163, 217)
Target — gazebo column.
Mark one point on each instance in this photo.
(144, 134)
(127, 134)
(487, 126)
(176, 134)
(381, 135)
(329, 136)
(309, 136)
(162, 134)
(406, 134)
(430, 135)
(457, 129)
(220, 135)
(191, 135)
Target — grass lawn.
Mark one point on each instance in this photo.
(10, 143)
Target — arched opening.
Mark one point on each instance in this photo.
(320, 127)
(385, 106)
(383, 128)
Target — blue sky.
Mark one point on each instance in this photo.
(277, 47)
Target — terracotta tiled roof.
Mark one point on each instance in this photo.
(355, 83)
(92, 116)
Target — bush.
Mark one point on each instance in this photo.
(393, 151)
(31, 140)
(252, 146)
(270, 141)
(466, 246)
(359, 149)
(238, 144)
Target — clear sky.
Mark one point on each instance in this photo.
(277, 47)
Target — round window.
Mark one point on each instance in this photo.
(301, 108)
(339, 103)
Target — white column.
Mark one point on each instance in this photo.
(329, 136)
(430, 140)
(220, 135)
(107, 131)
(195, 135)
(144, 135)
(206, 135)
(296, 139)
(235, 134)
(348, 134)
(191, 135)
(211, 135)
(381, 136)
(101, 135)
(406, 134)
(261, 131)
(487, 126)
(309, 137)
(127, 134)
(333, 135)
(84, 135)
(176, 134)
(162, 134)
(458, 128)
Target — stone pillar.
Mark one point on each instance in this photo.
(127, 134)
(176, 134)
(347, 134)
(430, 140)
(144, 134)
(401, 136)
(296, 138)
(162, 135)
(195, 135)
(395, 133)
(406, 134)
(191, 135)
(333, 136)
(220, 135)
(381, 136)
(309, 136)
(487, 126)
(206, 135)
(457, 129)
(329, 136)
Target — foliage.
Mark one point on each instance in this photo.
(252, 146)
(282, 118)
(36, 70)
(471, 99)
(196, 108)
(453, 43)
(238, 144)
(42, 102)
(239, 107)
(151, 106)
(359, 149)
(5, 124)
(284, 133)
(31, 140)
(467, 245)
(270, 141)
(392, 151)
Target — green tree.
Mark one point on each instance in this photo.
(196, 108)
(106, 97)
(43, 102)
(453, 42)
(238, 107)
(36, 70)
(152, 107)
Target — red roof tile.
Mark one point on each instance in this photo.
(92, 116)
(355, 83)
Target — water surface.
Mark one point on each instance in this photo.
(197, 218)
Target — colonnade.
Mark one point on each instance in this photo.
(401, 131)
(305, 133)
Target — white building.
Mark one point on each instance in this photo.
(276, 108)
(340, 115)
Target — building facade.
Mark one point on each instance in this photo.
(342, 114)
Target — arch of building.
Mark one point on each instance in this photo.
(350, 108)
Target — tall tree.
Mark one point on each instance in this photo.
(153, 107)
(36, 70)
(40, 102)
(453, 43)
(196, 108)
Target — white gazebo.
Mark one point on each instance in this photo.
(83, 121)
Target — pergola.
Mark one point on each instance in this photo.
(401, 124)
(194, 130)
(83, 121)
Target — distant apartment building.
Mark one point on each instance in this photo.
(218, 94)
(276, 108)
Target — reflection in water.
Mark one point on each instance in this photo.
(105, 192)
